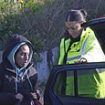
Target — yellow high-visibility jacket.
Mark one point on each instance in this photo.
(91, 84)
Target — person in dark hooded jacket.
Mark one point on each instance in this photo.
(18, 77)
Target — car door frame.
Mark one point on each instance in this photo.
(50, 98)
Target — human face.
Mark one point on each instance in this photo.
(22, 56)
(74, 28)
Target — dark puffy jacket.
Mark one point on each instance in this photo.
(9, 86)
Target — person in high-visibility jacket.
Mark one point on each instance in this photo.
(80, 45)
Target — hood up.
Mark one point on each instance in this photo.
(13, 44)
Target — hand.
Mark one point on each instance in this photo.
(82, 60)
(36, 94)
(19, 96)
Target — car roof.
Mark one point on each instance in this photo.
(95, 23)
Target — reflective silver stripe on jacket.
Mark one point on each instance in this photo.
(82, 51)
(72, 58)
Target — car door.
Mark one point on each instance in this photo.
(55, 90)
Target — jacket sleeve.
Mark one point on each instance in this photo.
(91, 49)
(6, 98)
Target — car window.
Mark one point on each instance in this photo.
(67, 85)
(77, 83)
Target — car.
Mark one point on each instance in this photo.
(55, 95)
